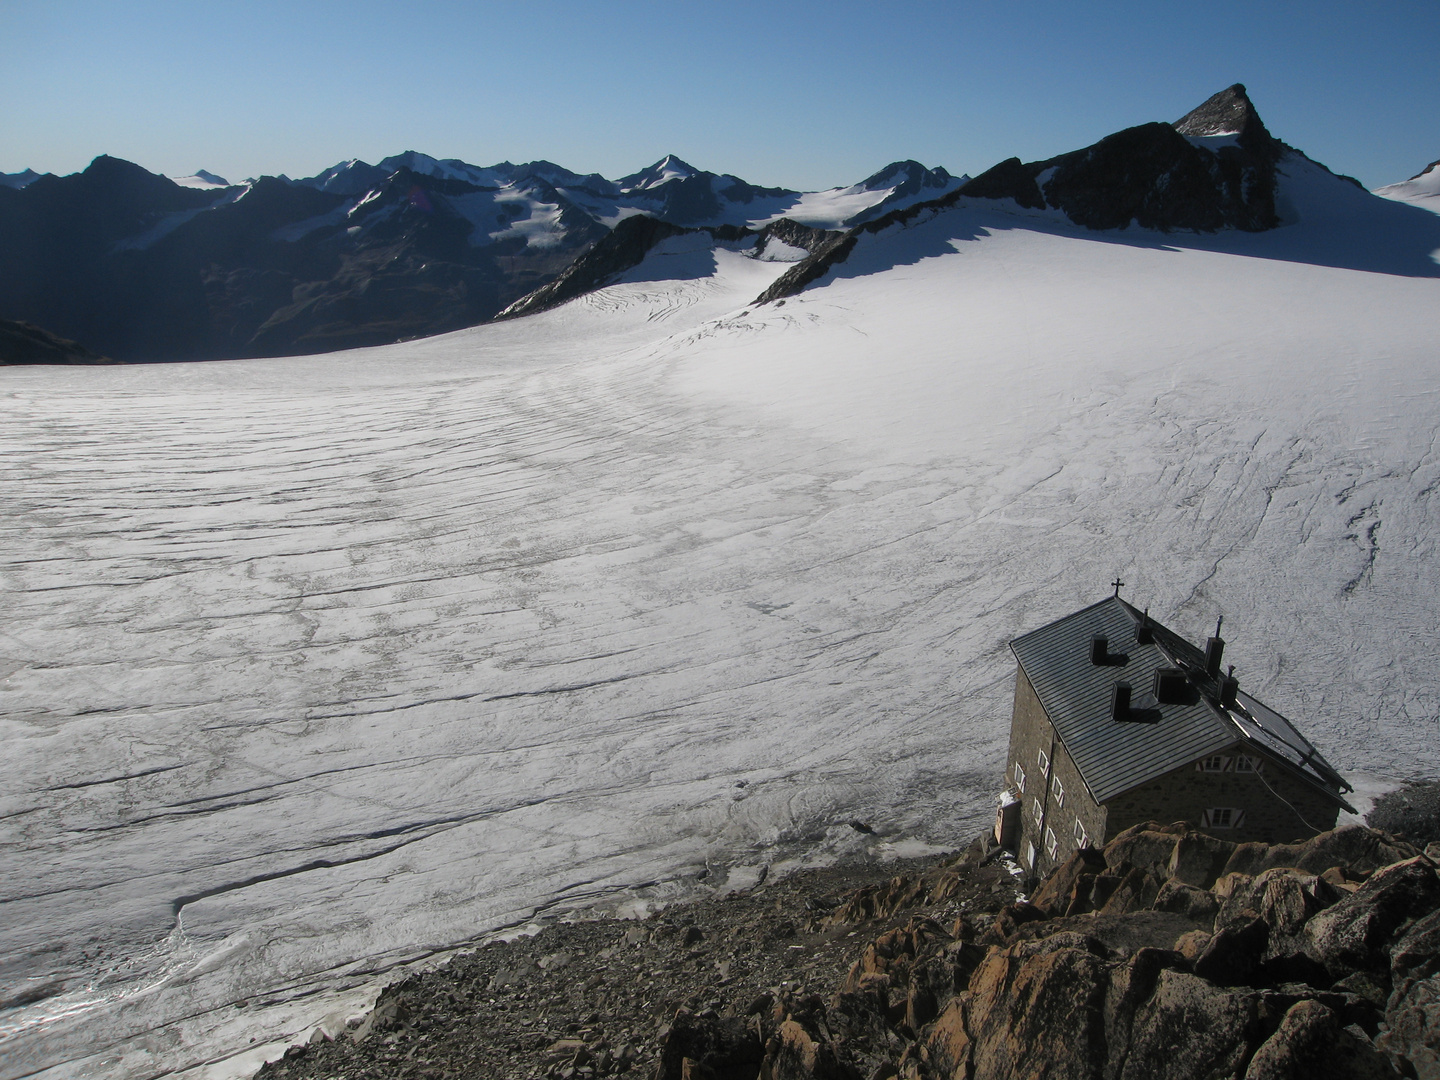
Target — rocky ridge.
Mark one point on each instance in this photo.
(1168, 954)
(25, 343)
(1212, 169)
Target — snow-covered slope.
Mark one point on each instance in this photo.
(311, 666)
(201, 179)
(1422, 189)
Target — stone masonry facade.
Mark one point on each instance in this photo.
(1054, 800)
(1229, 782)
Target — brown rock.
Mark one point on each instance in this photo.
(1189, 1029)
(1412, 1015)
(1352, 935)
(727, 1047)
(1362, 851)
(1255, 857)
(1136, 892)
(1038, 1009)
(1199, 859)
(1057, 894)
(1192, 944)
(1149, 847)
(1310, 1044)
(1233, 954)
(793, 1053)
(1198, 905)
(948, 1042)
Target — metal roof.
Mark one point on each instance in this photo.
(1114, 756)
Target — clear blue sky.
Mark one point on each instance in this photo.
(800, 94)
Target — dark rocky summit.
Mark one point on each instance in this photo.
(24, 343)
(1212, 169)
(1168, 954)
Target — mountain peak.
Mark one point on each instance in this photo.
(666, 169)
(200, 178)
(1230, 112)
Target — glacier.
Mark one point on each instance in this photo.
(317, 667)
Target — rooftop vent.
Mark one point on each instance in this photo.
(1214, 650)
(1144, 633)
(1171, 686)
(1099, 650)
(1229, 687)
(1120, 701)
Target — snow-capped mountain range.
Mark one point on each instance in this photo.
(148, 268)
(320, 666)
(142, 268)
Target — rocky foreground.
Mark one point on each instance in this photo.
(1168, 954)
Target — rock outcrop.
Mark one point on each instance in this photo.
(1212, 169)
(24, 343)
(1168, 954)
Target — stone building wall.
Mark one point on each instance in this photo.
(1187, 793)
(1044, 805)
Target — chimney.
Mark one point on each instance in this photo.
(1214, 650)
(1143, 634)
(1120, 701)
(1229, 687)
(1099, 650)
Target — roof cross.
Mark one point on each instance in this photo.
(1118, 584)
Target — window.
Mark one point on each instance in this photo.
(1029, 853)
(1019, 777)
(1213, 763)
(1222, 817)
(1059, 790)
(1052, 846)
(1246, 763)
(1082, 839)
(1044, 760)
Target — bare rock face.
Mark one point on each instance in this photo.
(1281, 974)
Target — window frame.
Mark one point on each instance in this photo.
(1222, 817)
(1052, 844)
(1082, 837)
(1058, 790)
(1019, 777)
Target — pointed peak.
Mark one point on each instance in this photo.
(1230, 112)
(663, 171)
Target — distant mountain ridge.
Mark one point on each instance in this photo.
(146, 268)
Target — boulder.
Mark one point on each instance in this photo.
(1198, 859)
(726, 1047)
(1189, 1028)
(1071, 879)
(1234, 953)
(1283, 896)
(794, 1053)
(1352, 934)
(1256, 857)
(1037, 1008)
(1196, 904)
(1362, 851)
(1148, 846)
(1310, 1044)
(1412, 1015)
(1136, 892)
